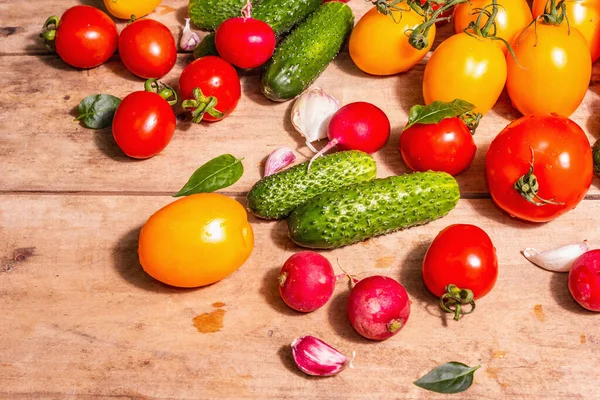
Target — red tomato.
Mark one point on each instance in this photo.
(85, 37)
(143, 125)
(245, 42)
(562, 167)
(147, 48)
(216, 78)
(446, 146)
(445, 14)
(584, 280)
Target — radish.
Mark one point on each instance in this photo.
(584, 280)
(244, 41)
(378, 307)
(357, 126)
(306, 281)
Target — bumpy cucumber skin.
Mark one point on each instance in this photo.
(209, 14)
(356, 213)
(281, 15)
(596, 153)
(276, 196)
(305, 53)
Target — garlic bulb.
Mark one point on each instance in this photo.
(189, 39)
(311, 114)
(558, 260)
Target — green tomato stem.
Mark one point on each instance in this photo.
(454, 299)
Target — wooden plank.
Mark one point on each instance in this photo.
(42, 149)
(81, 319)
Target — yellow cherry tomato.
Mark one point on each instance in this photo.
(124, 9)
(513, 15)
(379, 46)
(554, 70)
(195, 241)
(468, 68)
(583, 15)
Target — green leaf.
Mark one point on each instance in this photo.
(437, 111)
(97, 111)
(216, 174)
(452, 377)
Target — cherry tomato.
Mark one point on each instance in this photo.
(554, 70)
(584, 280)
(562, 167)
(583, 15)
(468, 68)
(513, 15)
(124, 9)
(446, 146)
(245, 42)
(445, 14)
(147, 48)
(84, 37)
(143, 124)
(217, 80)
(379, 46)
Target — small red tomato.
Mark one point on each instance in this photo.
(245, 42)
(584, 280)
(447, 146)
(143, 124)
(219, 88)
(85, 37)
(147, 48)
(445, 14)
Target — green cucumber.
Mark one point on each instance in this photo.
(209, 14)
(596, 153)
(276, 196)
(305, 53)
(356, 213)
(281, 15)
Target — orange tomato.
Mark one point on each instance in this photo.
(196, 240)
(583, 15)
(513, 15)
(554, 72)
(467, 68)
(379, 46)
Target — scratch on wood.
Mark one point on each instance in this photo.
(6, 31)
(19, 255)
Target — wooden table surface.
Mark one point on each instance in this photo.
(80, 319)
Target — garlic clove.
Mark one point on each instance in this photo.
(189, 39)
(278, 160)
(315, 357)
(557, 260)
(311, 114)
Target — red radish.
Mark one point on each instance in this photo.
(306, 281)
(244, 41)
(584, 280)
(378, 307)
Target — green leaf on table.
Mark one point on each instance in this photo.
(216, 174)
(452, 377)
(437, 111)
(97, 110)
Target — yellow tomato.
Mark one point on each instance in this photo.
(379, 46)
(124, 9)
(467, 68)
(554, 72)
(513, 15)
(196, 241)
(583, 15)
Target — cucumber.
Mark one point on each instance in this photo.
(353, 214)
(596, 153)
(305, 53)
(281, 15)
(276, 196)
(209, 14)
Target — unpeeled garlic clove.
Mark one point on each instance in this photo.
(557, 260)
(311, 114)
(189, 39)
(315, 357)
(278, 160)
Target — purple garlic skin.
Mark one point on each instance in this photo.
(278, 160)
(315, 357)
(189, 39)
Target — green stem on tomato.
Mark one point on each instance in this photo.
(162, 89)
(201, 105)
(454, 299)
(49, 31)
(418, 36)
(528, 187)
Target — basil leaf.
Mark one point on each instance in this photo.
(97, 111)
(452, 377)
(216, 174)
(437, 111)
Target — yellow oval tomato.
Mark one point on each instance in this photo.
(583, 15)
(467, 68)
(379, 46)
(513, 15)
(196, 240)
(554, 72)
(124, 9)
